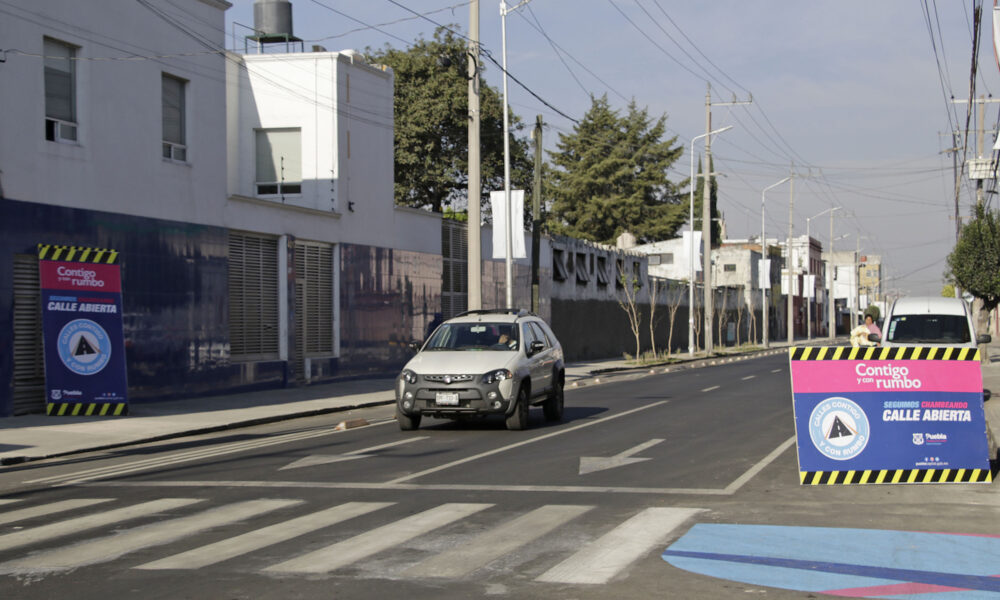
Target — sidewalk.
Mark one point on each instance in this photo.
(34, 437)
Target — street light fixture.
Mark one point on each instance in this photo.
(691, 241)
(763, 256)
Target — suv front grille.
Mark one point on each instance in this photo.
(447, 379)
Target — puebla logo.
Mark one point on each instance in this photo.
(84, 347)
(839, 428)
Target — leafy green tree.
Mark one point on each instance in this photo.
(699, 194)
(610, 176)
(948, 290)
(975, 261)
(431, 135)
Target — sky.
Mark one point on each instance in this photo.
(853, 97)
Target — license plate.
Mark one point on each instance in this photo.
(447, 398)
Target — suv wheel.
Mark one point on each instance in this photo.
(407, 422)
(553, 406)
(519, 419)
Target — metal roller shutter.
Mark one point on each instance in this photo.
(29, 362)
(253, 296)
(313, 302)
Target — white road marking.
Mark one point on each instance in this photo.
(749, 377)
(318, 459)
(7, 501)
(757, 468)
(262, 538)
(709, 389)
(590, 464)
(122, 543)
(777, 370)
(436, 487)
(605, 557)
(492, 544)
(48, 509)
(376, 540)
(54, 530)
(523, 443)
(164, 461)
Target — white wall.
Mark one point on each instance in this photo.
(117, 163)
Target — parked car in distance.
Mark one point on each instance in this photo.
(480, 363)
(929, 321)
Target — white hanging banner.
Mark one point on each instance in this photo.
(763, 273)
(690, 249)
(810, 284)
(500, 224)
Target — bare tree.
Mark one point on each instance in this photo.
(740, 305)
(722, 314)
(628, 301)
(674, 295)
(656, 287)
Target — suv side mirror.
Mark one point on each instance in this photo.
(874, 337)
(535, 348)
(414, 345)
(984, 338)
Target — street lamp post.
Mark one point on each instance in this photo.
(509, 260)
(763, 256)
(691, 249)
(812, 288)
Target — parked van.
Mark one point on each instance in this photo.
(930, 321)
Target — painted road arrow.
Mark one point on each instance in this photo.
(589, 464)
(322, 459)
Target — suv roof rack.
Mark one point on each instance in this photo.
(520, 312)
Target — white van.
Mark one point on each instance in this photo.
(930, 321)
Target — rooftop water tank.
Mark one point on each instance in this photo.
(273, 20)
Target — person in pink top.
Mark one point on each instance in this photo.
(872, 327)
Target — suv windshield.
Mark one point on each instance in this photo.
(474, 336)
(928, 329)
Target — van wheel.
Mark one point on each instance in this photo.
(553, 406)
(407, 422)
(519, 419)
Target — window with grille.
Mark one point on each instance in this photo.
(279, 161)
(60, 90)
(174, 118)
(253, 296)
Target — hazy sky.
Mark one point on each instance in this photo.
(850, 91)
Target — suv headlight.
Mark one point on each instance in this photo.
(408, 376)
(497, 376)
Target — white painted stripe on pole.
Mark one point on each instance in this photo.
(377, 540)
(262, 538)
(48, 509)
(524, 443)
(122, 543)
(153, 463)
(605, 557)
(491, 545)
(53, 530)
(709, 389)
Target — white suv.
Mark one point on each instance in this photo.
(930, 321)
(484, 362)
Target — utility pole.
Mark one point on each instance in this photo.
(536, 213)
(475, 260)
(706, 214)
(788, 265)
(829, 282)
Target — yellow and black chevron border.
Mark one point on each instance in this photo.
(77, 254)
(876, 353)
(895, 476)
(87, 409)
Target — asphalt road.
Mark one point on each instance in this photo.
(578, 509)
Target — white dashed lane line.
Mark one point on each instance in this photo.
(709, 389)
(777, 370)
(749, 377)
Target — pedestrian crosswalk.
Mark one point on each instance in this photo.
(296, 537)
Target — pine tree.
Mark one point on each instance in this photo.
(610, 176)
(699, 193)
